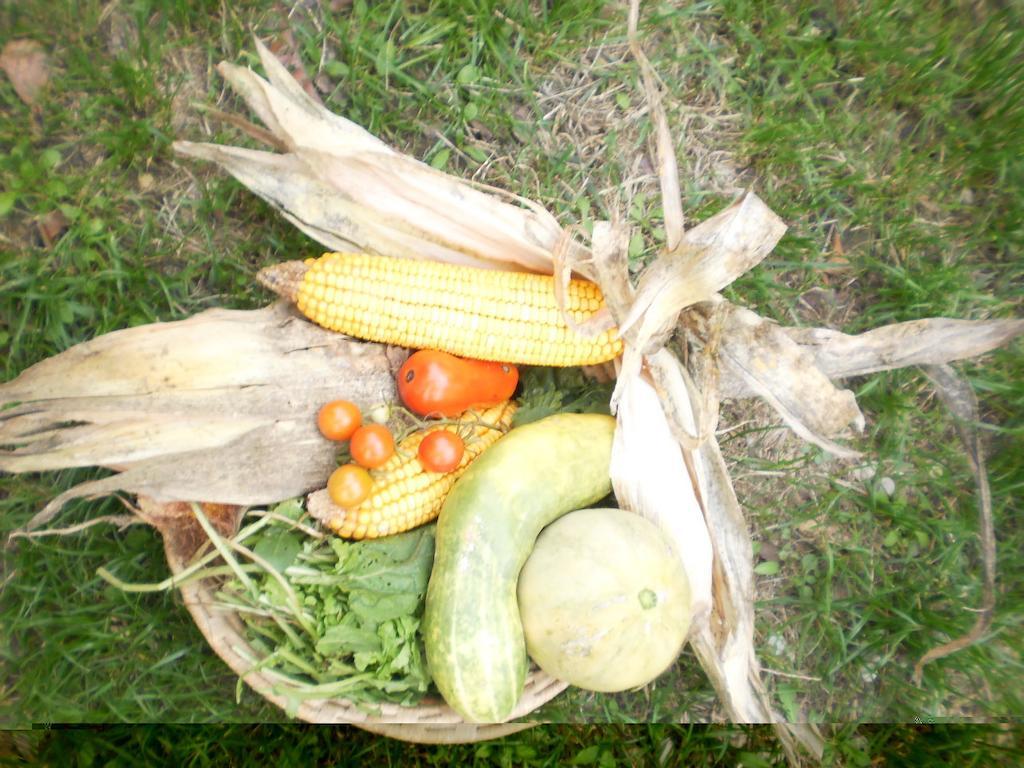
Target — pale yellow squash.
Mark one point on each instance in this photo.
(604, 600)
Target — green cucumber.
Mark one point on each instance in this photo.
(475, 648)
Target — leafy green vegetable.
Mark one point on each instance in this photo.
(279, 547)
(346, 638)
(545, 391)
(363, 600)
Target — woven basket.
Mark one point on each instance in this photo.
(430, 722)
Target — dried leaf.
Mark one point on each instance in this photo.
(958, 396)
(689, 494)
(774, 367)
(650, 477)
(668, 170)
(608, 265)
(726, 648)
(81, 433)
(931, 341)
(25, 63)
(710, 257)
(286, 183)
(218, 407)
(250, 129)
(839, 355)
(649, 468)
(438, 208)
(837, 247)
(725, 645)
(119, 29)
(52, 226)
(347, 189)
(565, 258)
(292, 116)
(286, 50)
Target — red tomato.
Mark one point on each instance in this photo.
(433, 383)
(372, 445)
(349, 485)
(338, 419)
(441, 451)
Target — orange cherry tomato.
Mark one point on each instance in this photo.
(441, 451)
(433, 383)
(372, 445)
(349, 485)
(338, 419)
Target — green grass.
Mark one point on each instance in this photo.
(652, 745)
(899, 136)
(894, 125)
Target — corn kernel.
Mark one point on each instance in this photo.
(488, 314)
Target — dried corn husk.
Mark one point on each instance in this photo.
(691, 498)
(218, 407)
(958, 396)
(650, 477)
(708, 258)
(775, 368)
(929, 341)
(348, 190)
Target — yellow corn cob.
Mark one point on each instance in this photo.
(511, 317)
(404, 494)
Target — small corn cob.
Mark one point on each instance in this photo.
(485, 314)
(404, 494)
